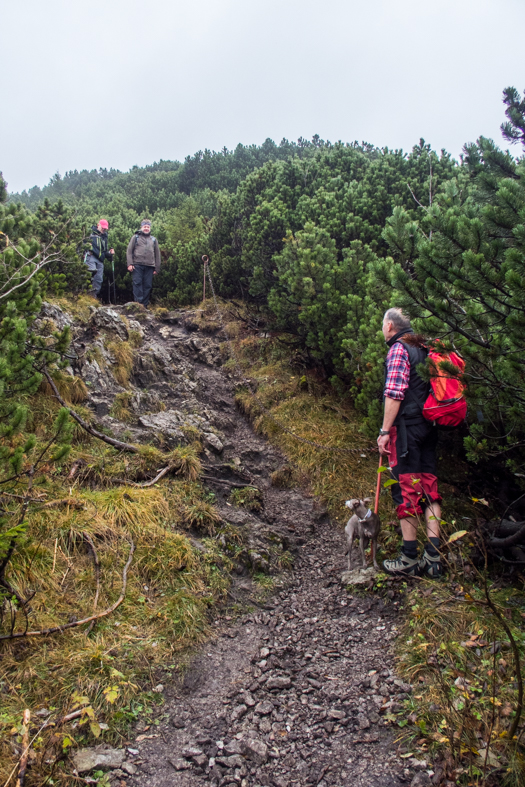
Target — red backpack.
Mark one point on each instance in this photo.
(445, 405)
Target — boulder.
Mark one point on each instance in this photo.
(134, 325)
(359, 576)
(212, 441)
(86, 760)
(108, 320)
(172, 318)
(167, 423)
(51, 312)
(206, 350)
(152, 364)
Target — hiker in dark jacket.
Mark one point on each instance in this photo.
(96, 253)
(409, 441)
(143, 258)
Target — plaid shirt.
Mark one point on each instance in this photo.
(397, 371)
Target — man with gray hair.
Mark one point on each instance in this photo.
(409, 441)
(143, 258)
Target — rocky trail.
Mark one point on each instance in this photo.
(293, 690)
(292, 694)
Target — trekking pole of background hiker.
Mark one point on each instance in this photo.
(205, 260)
(114, 285)
(378, 489)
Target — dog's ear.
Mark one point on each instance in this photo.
(367, 500)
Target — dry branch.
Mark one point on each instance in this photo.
(72, 502)
(235, 484)
(25, 749)
(128, 447)
(153, 481)
(509, 541)
(48, 723)
(96, 561)
(60, 629)
(75, 467)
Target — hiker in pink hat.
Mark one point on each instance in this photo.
(96, 253)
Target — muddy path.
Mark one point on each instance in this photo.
(292, 692)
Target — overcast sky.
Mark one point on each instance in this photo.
(113, 83)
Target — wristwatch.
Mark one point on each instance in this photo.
(383, 432)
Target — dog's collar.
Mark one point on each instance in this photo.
(366, 516)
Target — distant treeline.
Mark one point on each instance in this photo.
(158, 185)
(321, 238)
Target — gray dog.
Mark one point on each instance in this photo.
(365, 524)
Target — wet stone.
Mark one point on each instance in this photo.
(279, 682)
(264, 708)
(255, 750)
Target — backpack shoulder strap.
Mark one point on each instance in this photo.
(135, 241)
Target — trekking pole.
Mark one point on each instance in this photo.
(205, 260)
(378, 484)
(114, 285)
(376, 503)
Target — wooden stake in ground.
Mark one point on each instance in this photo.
(25, 749)
(205, 261)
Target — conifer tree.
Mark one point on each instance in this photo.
(26, 266)
(465, 282)
(514, 129)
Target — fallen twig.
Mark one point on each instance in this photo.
(88, 538)
(55, 556)
(24, 497)
(35, 736)
(75, 467)
(48, 723)
(509, 541)
(153, 481)
(226, 483)
(72, 502)
(25, 749)
(60, 629)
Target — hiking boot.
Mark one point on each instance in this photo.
(402, 565)
(430, 566)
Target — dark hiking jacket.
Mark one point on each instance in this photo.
(143, 250)
(97, 245)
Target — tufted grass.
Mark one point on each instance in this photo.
(124, 354)
(171, 585)
(72, 389)
(111, 669)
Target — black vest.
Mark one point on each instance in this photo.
(411, 408)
